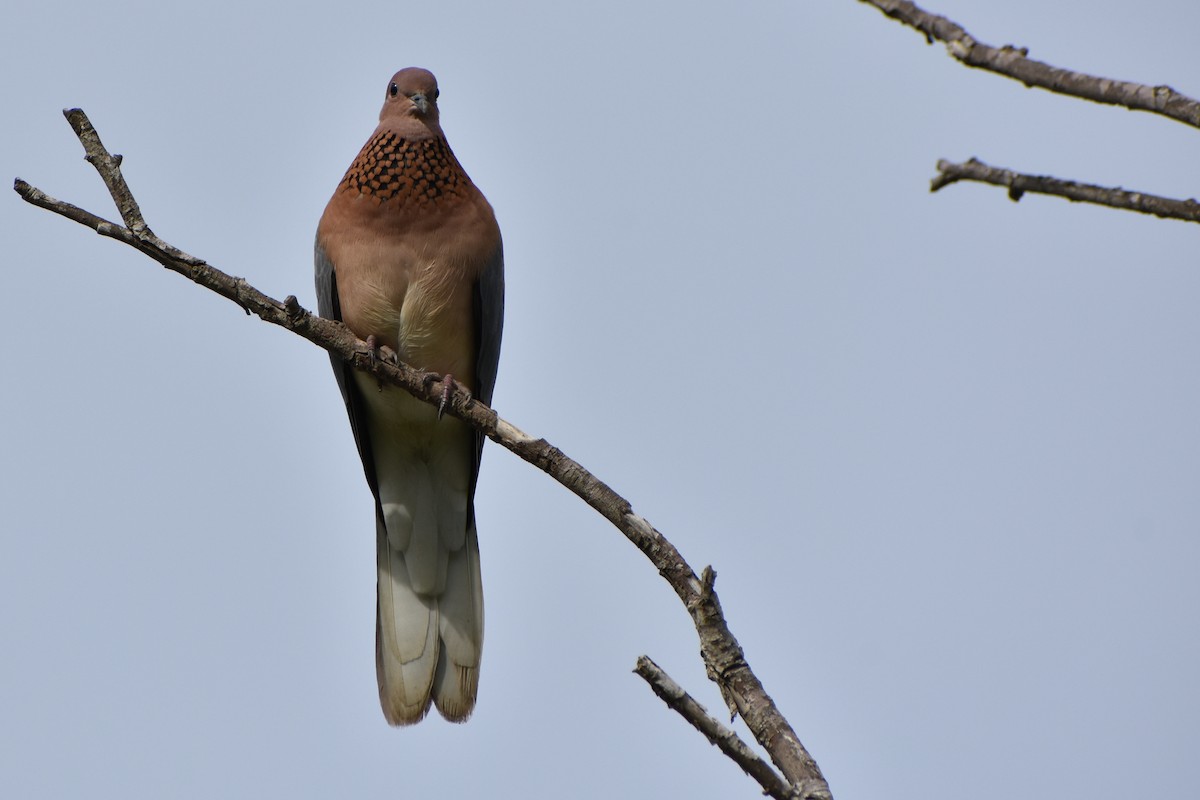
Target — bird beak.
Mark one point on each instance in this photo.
(421, 102)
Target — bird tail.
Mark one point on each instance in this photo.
(427, 647)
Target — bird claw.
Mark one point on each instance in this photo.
(372, 349)
(447, 388)
(373, 354)
(448, 384)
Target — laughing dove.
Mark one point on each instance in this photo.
(408, 252)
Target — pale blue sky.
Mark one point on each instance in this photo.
(943, 450)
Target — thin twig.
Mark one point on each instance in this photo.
(1019, 183)
(727, 740)
(721, 652)
(1014, 62)
(109, 168)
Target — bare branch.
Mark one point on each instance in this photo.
(109, 167)
(1018, 184)
(1014, 62)
(727, 740)
(722, 654)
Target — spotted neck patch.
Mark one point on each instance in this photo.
(390, 167)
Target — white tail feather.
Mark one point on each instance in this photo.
(428, 648)
(430, 597)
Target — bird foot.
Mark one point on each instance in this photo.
(447, 387)
(448, 384)
(373, 353)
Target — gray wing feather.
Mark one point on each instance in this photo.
(489, 317)
(489, 323)
(329, 308)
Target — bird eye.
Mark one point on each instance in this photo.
(393, 89)
(435, 95)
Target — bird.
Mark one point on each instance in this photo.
(408, 255)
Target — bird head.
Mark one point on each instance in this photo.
(412, 94)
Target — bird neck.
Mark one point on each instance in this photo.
(409, 171)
